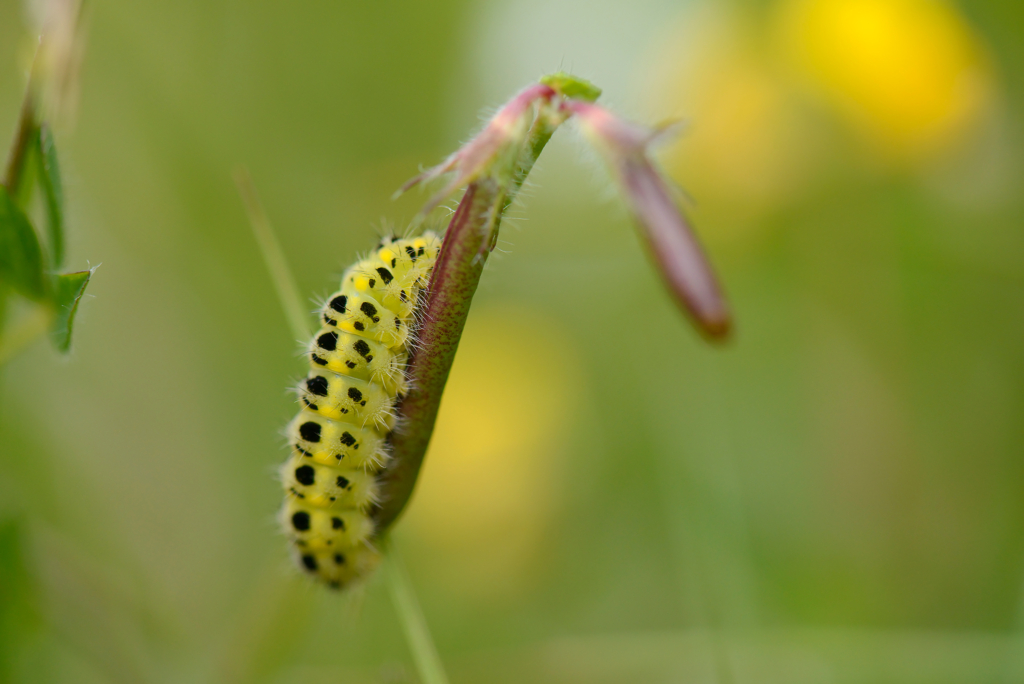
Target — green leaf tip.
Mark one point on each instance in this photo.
(21, 258)
(572, 86)
(67, 293)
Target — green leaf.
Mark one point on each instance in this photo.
(571, 86)
(68, 291)
(21, 259)
(53, 193)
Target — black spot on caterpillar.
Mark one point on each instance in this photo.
(317, 385)
(339, 440)
(328, 341)
(370, 310)
(300, 521)
(310, 432)
(305, 475)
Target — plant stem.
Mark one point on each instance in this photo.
(470, 237)
(455, 278)
(540, 134)
(424, 653)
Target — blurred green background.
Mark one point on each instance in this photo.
(835, 496)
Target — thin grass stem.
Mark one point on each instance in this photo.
(417, 634)
(23, 137)
(273, 256)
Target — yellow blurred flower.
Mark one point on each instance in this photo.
(911, 74)
(489, 482)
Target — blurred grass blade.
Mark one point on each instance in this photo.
(15, 178)
(53, 193)
(15, 577)
(21, 259)
(424, 653)
(273, 256)
(67, 293)
(18, 612)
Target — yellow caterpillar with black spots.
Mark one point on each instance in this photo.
(338, 441)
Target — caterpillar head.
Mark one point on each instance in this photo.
(411, 260)
(396, 274)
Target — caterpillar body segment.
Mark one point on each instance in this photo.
(324, 486)
(338, 440)
(355, 356)
(322, 529)
(329, 442)
(341, 397)
(339, 568)
(364, 315)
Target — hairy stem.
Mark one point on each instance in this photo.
(470, 237)
(455, 279)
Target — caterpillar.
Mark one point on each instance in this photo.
(339, 439)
